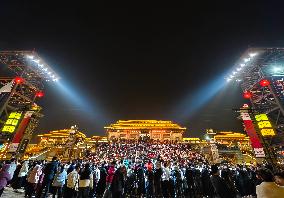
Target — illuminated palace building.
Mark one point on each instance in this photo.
(65, 144)
(137, 129)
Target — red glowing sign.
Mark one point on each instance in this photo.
(19, 80)
(264, 83)
(39, 94)
(247, 94)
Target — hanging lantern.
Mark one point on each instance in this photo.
(247, 94)
(19, 80)
(39, 94)
(264, 83)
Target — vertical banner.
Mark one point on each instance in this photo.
(20, 132)
(23, 146)
(255, 142)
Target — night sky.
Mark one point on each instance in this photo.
(141, 61)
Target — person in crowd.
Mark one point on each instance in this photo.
(13, 166)
(59, 181)
(117, 184)
(253, 181)
(149, 180)
(197, 181)
(279, 178)
(49, 171)
(15, 182)
(97, 175)
(219, 184)
(140, 179)
(40, 181)
(166, 179)
(189, 175)
(71, 167)
(226, 174)
(101, 181)
(268, 188)
(21, 176)
(158, 178)
(176, 176)
(242, 182)
(33, 177)
(109, 178)
(86, 181)
(5, 177)
(131, 181)
(207, 187)
(72, 187)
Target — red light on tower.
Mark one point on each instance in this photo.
(19, 80)
(247, 94)
(39, 94)
(264, 83)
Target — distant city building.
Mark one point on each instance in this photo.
(193, 140)
(233, 146)
(60, 137)
(67, 137)
(139, 129)
(64, 143)
(227, 136)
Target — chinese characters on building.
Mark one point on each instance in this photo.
(13, 120)
(264, 125)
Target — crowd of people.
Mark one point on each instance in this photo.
(141, 169)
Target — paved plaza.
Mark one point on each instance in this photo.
(10, 193)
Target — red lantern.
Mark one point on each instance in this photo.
(39, 94)
(247, 95)
(19, 80)
(264, 83)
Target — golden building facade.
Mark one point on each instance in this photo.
(65, 144)
(231, 139)
(224, 137)
(60, 137)
(153, 129)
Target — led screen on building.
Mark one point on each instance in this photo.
(264, 125)
(12, 122)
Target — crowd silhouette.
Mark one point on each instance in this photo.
(141, 169)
